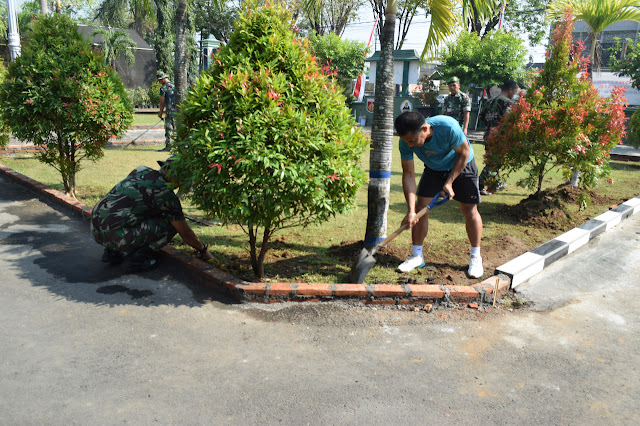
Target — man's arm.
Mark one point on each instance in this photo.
(463, 152)
(161, 106)
(465, 121)
(409, 189)
(189, 237)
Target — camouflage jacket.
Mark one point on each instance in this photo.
(455, 106)
(168, 91)
(142, 195)
(493, 112)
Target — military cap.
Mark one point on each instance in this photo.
(161, 75)
(453, 79)
(163, 163)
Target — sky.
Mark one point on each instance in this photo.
(361, 30)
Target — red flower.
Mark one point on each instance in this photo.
(334, 176)
(219, 166)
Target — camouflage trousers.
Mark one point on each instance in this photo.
(169, 129)
(155, 232)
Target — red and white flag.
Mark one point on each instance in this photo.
(358, 91)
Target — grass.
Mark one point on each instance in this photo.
(315, 254)
(145, 119)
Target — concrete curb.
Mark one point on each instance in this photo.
(530, 263)
(371, 294)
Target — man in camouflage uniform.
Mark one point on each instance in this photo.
(138, 217)
(491, 115)
(457, 104)
(168, 102)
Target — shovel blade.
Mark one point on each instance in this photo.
(362, 266)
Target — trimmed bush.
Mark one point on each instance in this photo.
(264, 137)
(62, 96)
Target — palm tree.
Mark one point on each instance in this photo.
(132, 13)
(114, 43)
(598, 15)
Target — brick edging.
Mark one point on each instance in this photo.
(373, 294)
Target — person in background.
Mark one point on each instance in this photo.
(498, 107)
(168, 103)
(457, 104)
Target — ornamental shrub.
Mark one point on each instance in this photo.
(154, 93)
(62, 96)
(634, 129)
(561, 122)
(264, 137)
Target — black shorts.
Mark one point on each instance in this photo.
(465, 186)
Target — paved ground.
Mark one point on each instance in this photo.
(84, 343)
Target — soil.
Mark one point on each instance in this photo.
(554, 210)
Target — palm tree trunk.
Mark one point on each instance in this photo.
(592, 54)
(181, 52)
(382, 135)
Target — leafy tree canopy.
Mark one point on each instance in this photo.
(342, 57)
(264, 137)
(485, 62)
(628, 66)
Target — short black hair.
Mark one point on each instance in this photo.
(509, 84)
(409, 122)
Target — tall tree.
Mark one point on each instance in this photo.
(180, 66)
(381, 134)
(598, 15)
(163, 41)
(330, 16)
(136, 14)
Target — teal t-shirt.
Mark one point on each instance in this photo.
(438, 153)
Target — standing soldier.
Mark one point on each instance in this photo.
(491, 115)
(168, 102)
(457, 104)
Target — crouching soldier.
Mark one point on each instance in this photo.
(138, 217)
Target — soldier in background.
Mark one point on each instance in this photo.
(489, 180)
(457, 104)
(138, 217)
(168, 102)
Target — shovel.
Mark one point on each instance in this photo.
(365, 260)
(133, 142)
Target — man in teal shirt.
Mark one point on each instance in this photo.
(442, 146)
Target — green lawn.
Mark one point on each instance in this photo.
(306, 254)
(146, 119)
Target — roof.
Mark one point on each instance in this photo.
(85, 30)
(398, 56)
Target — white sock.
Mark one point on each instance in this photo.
(416, 250)
(475, 251)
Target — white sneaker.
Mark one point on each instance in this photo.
(475, 266)
(414, 261)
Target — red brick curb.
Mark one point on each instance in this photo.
(31, 149)
(372, 294)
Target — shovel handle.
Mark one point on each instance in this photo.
(434, 203)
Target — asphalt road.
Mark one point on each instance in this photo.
(85, 343)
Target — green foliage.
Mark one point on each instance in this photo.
(634, 130)
(139, 96)
(342, 57)
(154, 93)
(561, 122)
(628, 66)
(210, 17)
(485, 62)
(114, 43)
(61, 95)
(264, 137)
(5, 131)
(429, 94)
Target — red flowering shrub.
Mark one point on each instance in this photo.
(264, 137)
(561, 122)
(61, 95)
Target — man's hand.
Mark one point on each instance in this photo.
(160, 115)
(409, 219)
(448, 189)
(207, 256)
